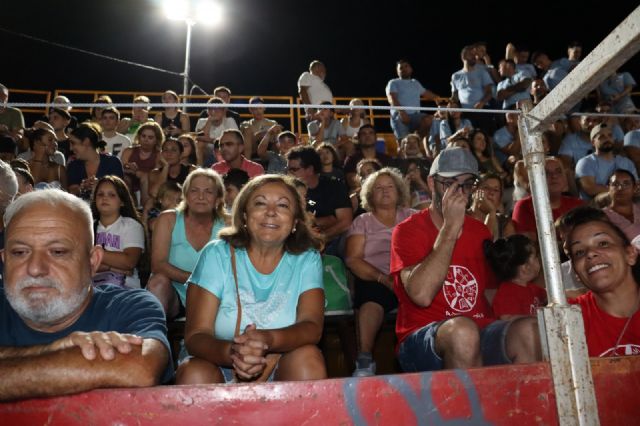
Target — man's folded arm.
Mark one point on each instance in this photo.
(67, 371)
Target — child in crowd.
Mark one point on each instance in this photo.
(119, 231)
(169, 196)
(516, 264)
(234, 180)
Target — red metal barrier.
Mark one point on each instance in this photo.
(510, 395)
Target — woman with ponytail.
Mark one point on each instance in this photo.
(90, 165)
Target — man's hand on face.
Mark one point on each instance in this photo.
(103, 343)
(454, 207)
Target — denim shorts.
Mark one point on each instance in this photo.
(228, 374)
(418, 351)
(400, 130)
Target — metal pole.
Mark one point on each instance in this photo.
(187, 57)
(534, 157)
(561, 327)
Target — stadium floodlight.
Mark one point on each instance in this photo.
(177, 10)
(208, 13)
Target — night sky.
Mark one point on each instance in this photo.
(264, 45)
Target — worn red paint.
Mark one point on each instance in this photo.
(506, 395)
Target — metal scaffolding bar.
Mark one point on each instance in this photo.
(562, 329)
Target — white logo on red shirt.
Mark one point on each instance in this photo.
(533, 308)
(628, 349)
(460, 289)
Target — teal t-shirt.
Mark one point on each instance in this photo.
(269, 301)
(182, 254)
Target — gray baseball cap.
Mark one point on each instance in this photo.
(454, 161)
(597, 129)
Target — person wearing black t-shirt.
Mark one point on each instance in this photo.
(327, 199)
(366, 149)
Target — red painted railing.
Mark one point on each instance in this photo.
(507, 395)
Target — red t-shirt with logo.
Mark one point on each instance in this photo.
(602, 330)
(462, 292)
(515, 299)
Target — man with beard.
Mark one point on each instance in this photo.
(59, 334)
(366, 149)
(472, 87)
(231, 149)
(441, 277)
(407, 91)
(594, 170)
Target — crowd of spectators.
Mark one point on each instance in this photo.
(431, 231)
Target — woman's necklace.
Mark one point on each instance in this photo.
(626, 325)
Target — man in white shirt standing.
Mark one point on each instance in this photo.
(312, 88)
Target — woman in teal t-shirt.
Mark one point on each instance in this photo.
(179, 236)
(279, 285)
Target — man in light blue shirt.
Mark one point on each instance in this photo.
(574, 54)
(408, 92)
(576, 144)
(617, 89)
(632, 143)
(506, 140)
(520, 55)
(513, 87)
(594, 170)
(472, 86)
(554, 72)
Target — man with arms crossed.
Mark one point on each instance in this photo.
(444, 319)
(58, 334)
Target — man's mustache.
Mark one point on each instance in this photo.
(37, 282)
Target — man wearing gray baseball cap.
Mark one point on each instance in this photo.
(440, 277)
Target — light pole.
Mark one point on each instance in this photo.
(206, 12)
(187, 58)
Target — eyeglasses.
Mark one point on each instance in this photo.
(621, 185)
(467, 185)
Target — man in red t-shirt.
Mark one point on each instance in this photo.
(440, 277)
(231, 149)
(523, 217)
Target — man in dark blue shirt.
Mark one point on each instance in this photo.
(59, 334)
